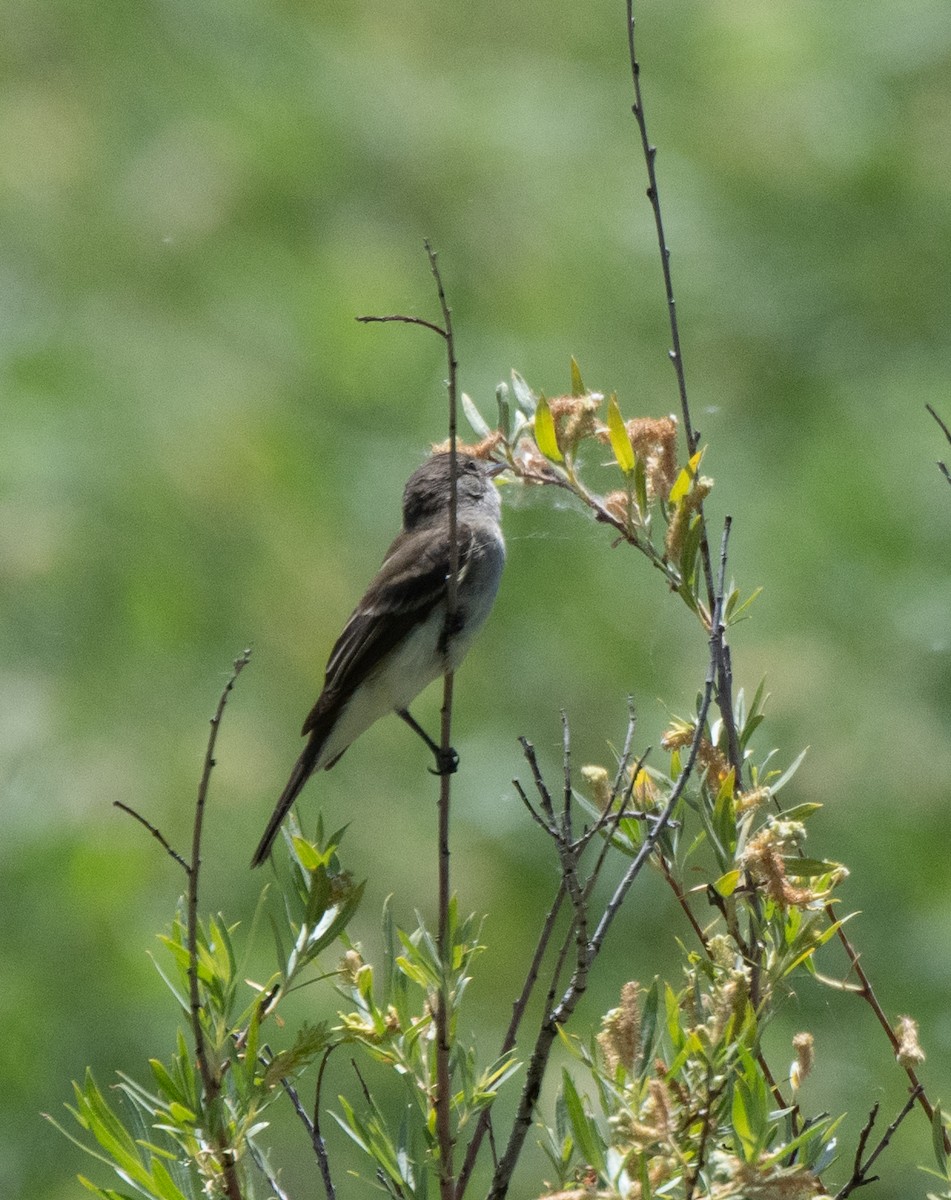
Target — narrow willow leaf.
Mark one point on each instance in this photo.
(474, 417)
(583, 1127)
(685, 478)
(801, 812)
(577, 383)
(545, 435)
(788, 773)
(505, 411)
(937, 1141)
(620, 441)
(102, 1193)
(736, 614)
(524, 396)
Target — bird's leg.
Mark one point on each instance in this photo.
(447, 762)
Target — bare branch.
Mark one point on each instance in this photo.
(210, 1078)
(406, 320)
(484, 1124)
(156, 833)
(860, 1171)
(558, 1015)
(443, 1093)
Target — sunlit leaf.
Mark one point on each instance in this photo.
(805, 868)
(685, 478)
(726, 884)
(545, 435)
(620, 441)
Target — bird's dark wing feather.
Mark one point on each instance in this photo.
(388, 611)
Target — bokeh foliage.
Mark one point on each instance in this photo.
(202, 449)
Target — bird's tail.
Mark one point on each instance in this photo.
(299, 776)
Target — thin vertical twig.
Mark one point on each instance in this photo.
(724, 680)
(210, 1076)
(447, 1186)
(442, 1097)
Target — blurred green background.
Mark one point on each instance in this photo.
(201, 449)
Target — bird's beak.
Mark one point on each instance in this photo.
(495, 468)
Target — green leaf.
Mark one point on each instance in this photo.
(545, 435)
(505, 410)
(801, 812)
(686, 477)
(167, 1085)
(474, 417)
(524, 396)
(577, 383)
(734, 612)
(806, 868)
(583, 1126)
(726, 884)
(620, 441)
(937, 1141)
(104, 1193)
(788, 773)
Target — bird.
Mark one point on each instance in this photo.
(400, 637)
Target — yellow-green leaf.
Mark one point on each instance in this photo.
(545, 435)
(577, 383)
(686, 477)
(620, 442)
(726, 884)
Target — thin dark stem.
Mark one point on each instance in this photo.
(312, 1125)
(442, 1099)
(156, 833)
(210, 1076)
(706, 1116)
(261, 1163)
(860, 1170)
(441, 1010)
(650, 154)
(405, 320)
(867, 992)
(947, 433)
(724, 683)
(558, 1015)
(610, 820)
(653, 835)
(566, 767)
(484, 1124)
(317, 1138)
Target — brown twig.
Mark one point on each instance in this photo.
(860, 1170)
(443, 1097)
(442, 1094)
(210, 1076)
(404, 320)
(723, 669)
(155, 832)
(557, 1015)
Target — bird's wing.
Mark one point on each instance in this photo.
(390, 608)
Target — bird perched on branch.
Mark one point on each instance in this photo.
(402, 635)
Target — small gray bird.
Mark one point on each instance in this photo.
(398, 639)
